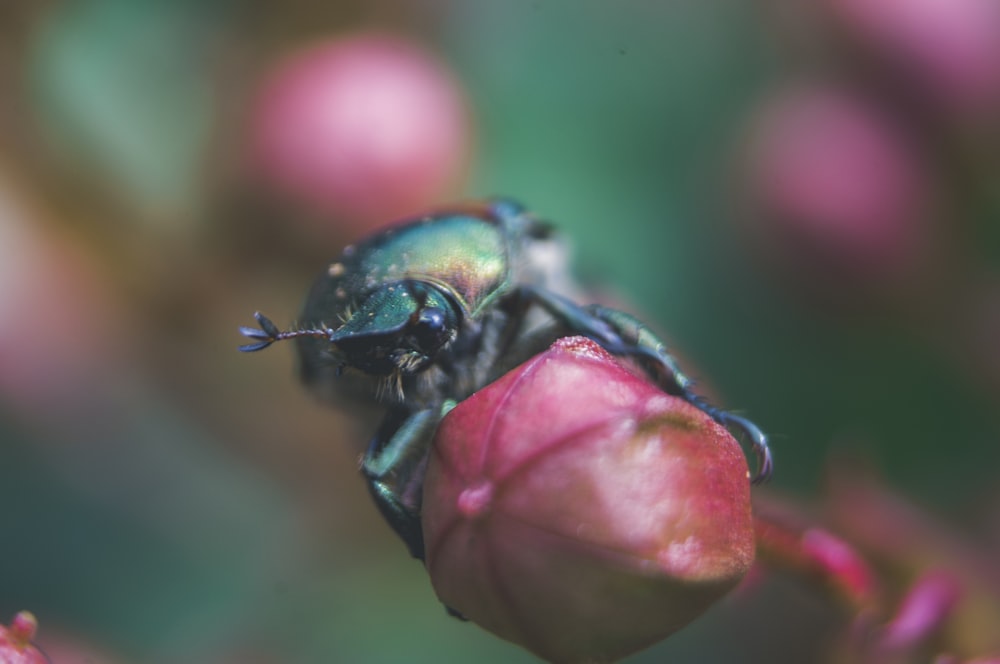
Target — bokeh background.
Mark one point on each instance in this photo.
(803, 197)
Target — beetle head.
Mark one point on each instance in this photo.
(398, 329)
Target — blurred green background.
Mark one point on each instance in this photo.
(167, 499)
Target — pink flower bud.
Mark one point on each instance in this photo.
(59, 327)
(574, 508)
(15, 641)
(949, 48)
(922, 612)
(788, 541)
(838, 186)
(365, 127)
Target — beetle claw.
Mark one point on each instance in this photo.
(750, 431)
(758, 442)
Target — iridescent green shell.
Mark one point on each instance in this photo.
(467, 255)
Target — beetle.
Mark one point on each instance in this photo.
(419, 316)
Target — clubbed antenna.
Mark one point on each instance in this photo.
(268, 333)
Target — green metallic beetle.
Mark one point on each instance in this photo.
(423, 314)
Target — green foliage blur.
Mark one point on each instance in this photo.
(167, 499)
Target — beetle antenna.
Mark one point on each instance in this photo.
(268, 333)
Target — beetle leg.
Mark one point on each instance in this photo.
(393, 467)
(622, 334)
(653, 353)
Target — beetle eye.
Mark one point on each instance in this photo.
(430, 328)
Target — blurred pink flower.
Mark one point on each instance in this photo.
(364, 127)
(948, 584)
(949, 47)
(835, 180)
(791, 540)
(15, 641)
(922, 612)
(910, 589)
(58, 325)
(576, 509)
